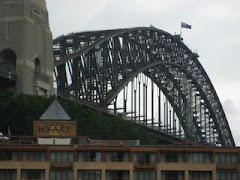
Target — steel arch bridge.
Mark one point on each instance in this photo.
(180, 100)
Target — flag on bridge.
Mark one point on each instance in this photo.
(185, 25)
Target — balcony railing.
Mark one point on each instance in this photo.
(227, 167)
(88, 160)
(117, 178)
(144, 165)
(117, 160)
(61, 164)
(41, 77)
(8, 159)
(8, 76)
(32, 179)
(33, 140)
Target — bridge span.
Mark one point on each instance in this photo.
(146, 75)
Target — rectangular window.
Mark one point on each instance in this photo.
(199, 157)
(117, 175)
(62, 157)
(8, 174)
(200, 175)
(226, 159)
(145, 175)
(90, 156)
(89, 175)
(144, 158)
(172, 157)
(34, 156)
(61, 175)
(117, 156)
(33, 174)
(172, 175)
(8, 155)
(227, 175)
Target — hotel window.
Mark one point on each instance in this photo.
(8, 155)
(62, 157)
(117, 156)
(200, 175)
(89, 175)
(33, 174)
(145, 175)
(34, 156)
(172, 175)
(226, 159)
(61, 175)
(199, 157)
(117, 175)
(172, 157)
(8, 174)
(227, 175)
(144, 158)
(90, 156)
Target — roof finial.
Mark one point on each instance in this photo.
(55, 93)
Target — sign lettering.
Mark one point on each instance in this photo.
(56, 128)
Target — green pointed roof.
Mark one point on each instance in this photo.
(55, 112)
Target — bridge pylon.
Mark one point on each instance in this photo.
(26, 54)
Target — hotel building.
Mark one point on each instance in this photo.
(57, 156)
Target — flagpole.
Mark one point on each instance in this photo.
(181, 32)
(55, 93)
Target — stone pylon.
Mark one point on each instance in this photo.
(26, 46)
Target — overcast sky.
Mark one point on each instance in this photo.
(214, 34)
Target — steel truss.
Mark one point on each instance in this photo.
(96, 66)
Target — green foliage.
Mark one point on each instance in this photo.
(18, 112)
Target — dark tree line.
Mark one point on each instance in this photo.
(19, 111)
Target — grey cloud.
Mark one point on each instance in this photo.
(233, 119)
(215, 32)
(229, 107)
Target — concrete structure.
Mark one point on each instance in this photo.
(26, 45)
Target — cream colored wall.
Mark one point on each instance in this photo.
(186, 167)
(103, 166)
(19, 166)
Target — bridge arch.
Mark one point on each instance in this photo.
(95, 66)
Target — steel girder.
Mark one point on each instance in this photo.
(95, 66)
